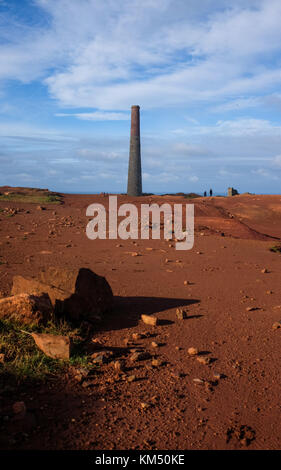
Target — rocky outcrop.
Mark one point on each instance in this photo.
(76, 294)
(33, 286)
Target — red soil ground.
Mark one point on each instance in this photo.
(242, 409)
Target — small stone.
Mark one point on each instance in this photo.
(119, 365)
(131, 378)
(99, 358)
(80, 373)
(154, 344)
(149, 320)
(2, 358)
(199, 381)
(181, 314)
(276, 325)
(136, 336)
(135, 253)
(203, 360)
(176, 375)
(155, 363)
(251, 309)
(192, 351)
(217, 375)
(264, 271)
(185, 283)
(139, 356)
(145, 405)
(19, 409)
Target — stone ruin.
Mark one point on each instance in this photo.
(232, 192)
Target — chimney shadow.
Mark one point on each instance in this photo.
(127, 311)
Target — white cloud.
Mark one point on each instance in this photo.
(108, 54)
(238, 105)
(264, 173)
(236, 128)
(277, 161)
(193, 179)
(97, 116)
(92, 154)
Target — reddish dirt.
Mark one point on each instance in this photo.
(241, 409)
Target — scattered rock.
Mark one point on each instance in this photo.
(181, 314)
(217, 376)
(131, 378)
(55, 346)
(154, 344)
(136, 336)
(264, 271)
(145, 405)
(199, 381)
(101, 357)
(149, 320)
(2, 358)
(79, 373)
(19, 409)
(119, 366)
(156, 363)
(192, 351)
(177, 375)
(251, 309)
(139, 356)
(203, 360)
(276, 325)
(26, 308)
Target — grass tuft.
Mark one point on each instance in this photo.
(23, 360)
(275, 249)
(44, 198)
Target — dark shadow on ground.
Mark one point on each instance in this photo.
(128, 310)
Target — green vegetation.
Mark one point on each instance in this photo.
(24, 361)
(275, 249)
(36, 198)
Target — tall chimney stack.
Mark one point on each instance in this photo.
(134, 173)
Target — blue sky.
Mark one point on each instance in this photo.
(207, 76)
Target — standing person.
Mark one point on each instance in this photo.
(211, 192)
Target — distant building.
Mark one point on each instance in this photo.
(232, 192)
